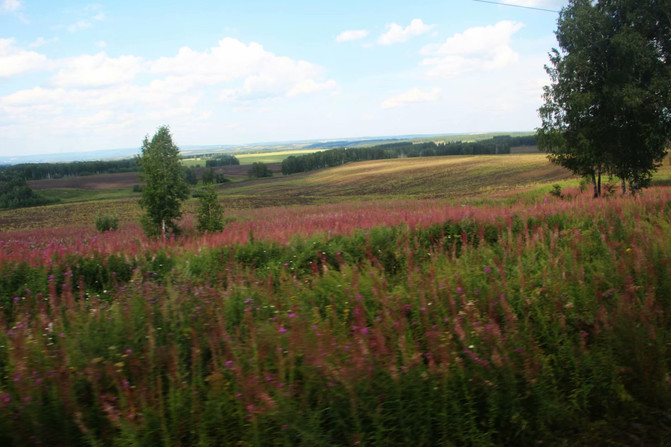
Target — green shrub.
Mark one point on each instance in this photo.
(258, 170)
(105, 222)
(210, 217)
(556, 191)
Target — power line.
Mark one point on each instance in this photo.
(516, 6)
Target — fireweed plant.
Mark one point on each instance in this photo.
(384, 323)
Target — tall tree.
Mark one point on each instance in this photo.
(607, 109)
(165, 189)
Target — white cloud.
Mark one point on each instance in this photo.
(79, 25)
(97, 70)
(33, 97)
(263, 74)
(477, 48)
(88, 23)
(413, 95)
(41, 41)
(87, 96)
(396, 33)
(14, 60)
(10, 5)
(307, 86)
(350, 35)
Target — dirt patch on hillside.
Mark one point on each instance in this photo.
(93, 182)
(128, 179)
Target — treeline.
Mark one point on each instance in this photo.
(41, 171)
(336, 157)
(222, 160)
(15, 193)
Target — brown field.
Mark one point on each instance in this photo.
(452, 179)
(128, 179)
(90, 182)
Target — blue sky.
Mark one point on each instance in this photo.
(78, 76)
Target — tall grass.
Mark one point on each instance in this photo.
(544, 323)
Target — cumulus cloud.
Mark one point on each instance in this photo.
(129, 94)
(97, 70)
(15, 61)
(413, 95)
(263, 74)
(396, 33)
(350, 35)
(477, 48)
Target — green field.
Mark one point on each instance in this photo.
(86, 195)
(247, 158)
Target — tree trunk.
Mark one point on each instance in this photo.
(599, 181)
(163, 228)
(596, 189)
(624, 187)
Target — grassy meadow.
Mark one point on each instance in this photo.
(434, 301)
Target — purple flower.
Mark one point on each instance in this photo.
(282, 329)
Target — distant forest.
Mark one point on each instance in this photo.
(336, 157)
(41, 171)
(222, 160)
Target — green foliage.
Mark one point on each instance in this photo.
(208, 176)
(606, 110)
(521, 330)
(40, 171)
(556, 191)
(15, 193)
(137, 188)
(582, 186)
(165, 186)
(221, 160)
(258, 170)
(106, 222)
(210, 211)
(190, 176)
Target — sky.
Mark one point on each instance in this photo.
(78, 76)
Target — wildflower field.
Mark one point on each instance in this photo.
(533, 321)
